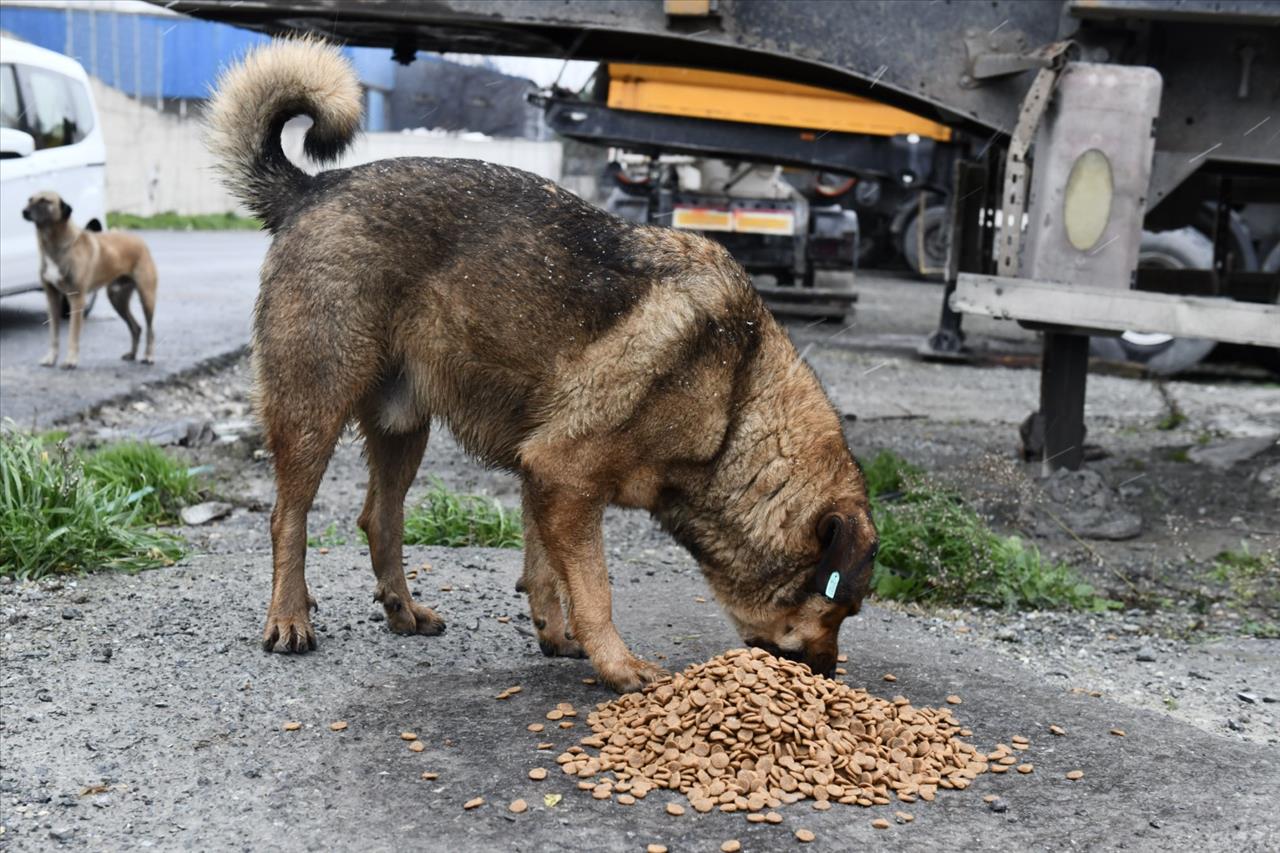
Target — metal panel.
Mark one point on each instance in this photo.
(1106, 108)
(1118, 310)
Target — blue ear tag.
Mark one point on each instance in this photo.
(833, 583)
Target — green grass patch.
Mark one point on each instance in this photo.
(164, 486)
(330, 537)
(444, 517)
(171, 221)
(935, 549)
(1250, 577)
(55, 518)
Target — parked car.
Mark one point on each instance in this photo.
(50, 139)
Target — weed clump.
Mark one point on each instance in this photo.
(444, 517)
(935, 549)
(163, 485)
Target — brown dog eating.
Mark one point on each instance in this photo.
(601, 361)
(74, 262)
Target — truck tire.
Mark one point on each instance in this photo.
(1185, 248)
(934, 241)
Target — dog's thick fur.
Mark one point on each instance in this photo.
(75, 261)
(603, 362)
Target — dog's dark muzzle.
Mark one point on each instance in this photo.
(822, 663)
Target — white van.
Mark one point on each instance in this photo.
(50, 139)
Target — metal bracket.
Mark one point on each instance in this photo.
(1016, 170)
(993, 55)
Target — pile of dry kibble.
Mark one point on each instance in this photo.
(747, 731)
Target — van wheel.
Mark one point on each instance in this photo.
(1163, 355)
(88, 305)
(932, 264)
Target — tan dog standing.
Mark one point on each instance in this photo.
(75, 262)
(601, 361)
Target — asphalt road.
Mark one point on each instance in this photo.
(208, 281)
(141, 712)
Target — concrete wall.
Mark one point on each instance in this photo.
(157, 161)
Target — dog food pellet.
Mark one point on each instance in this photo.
(1075, 774)
(990, 798)
(555, 714)
(626, 800)
(841, 671)
(1025, 768)
(429, 776)
(1057, 730)
(880, 823)
(446, 588)
(586, 786)
(747, 731)
(588, 680)
(473, 803)
(675, 809)
(1118, 732)
(518, 807)
(566, 725)
(821, 805)
(535, 727)
(417, 746)
(292, 726)
(842, 658)
(804, 836)
(546, 746)
(408, 736)
(698, 599)
(537, 774)
(733, 845)
(953, 699)
(889, 676)
(504, 619)
(339, 726)
(998, 768)
(755, 817)
(656, 848)
(773, 817)
(904, 817)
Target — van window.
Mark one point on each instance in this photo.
(59, 112)
(10, 106)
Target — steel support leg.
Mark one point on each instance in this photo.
(1063, 372)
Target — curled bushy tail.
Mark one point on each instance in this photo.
(254, 98)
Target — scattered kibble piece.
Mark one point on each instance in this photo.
(953, 699)
(656, 848)
(1057, 730)
(1075, 774)
(535, 727)
(446, 588)
(880, 823)
(842, 658)
(755, 817)
(417, 746)
(408, 736)
(339, 726)
(518, 807)
(473, 803)
(588, 680)
(889, 676)
(504, 619)
(429, 776)
(537, 774)
(566, 724)
(1118, 732)
(821, 805)
(990, 798)
(626, 800)
(733, 845)
(1025, 768)
(904, 817)
(546, 746)
(773, 817)
(292, 726)
(675, 809)
(699, 599)
(804, 836)
(841, 671)
(555, 714)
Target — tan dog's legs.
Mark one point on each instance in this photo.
(54, 300)
(570, 525)
(540, 582)
(146, 283)
(393, 462)
(302, 448)
(76, 301)
(119, 292)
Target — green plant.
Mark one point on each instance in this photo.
(172, 221)
(330, 537)
(1248, 575)
(54, 518)
(935, 549)
(164, 485)
(444, 517)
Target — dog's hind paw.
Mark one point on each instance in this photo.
(129, 356)
(289, 634)
(49, 360)
(564, 648)
(148, 359)
(411, 617)
(69, 365)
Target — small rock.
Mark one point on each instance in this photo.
(1008, 635)
(998, 805)
(1234, 726)
(203, 513)
(62, 833)
(1146, 655)
(1251, 698)
(1222, 455)
(70, 613)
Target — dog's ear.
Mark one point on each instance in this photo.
(66, 210)
(844, 568)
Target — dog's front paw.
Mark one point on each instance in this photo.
(629, 674)
(69, 364)
(559, 647)
(49, 360)
(148, 359)
(289, 634)
(129, 356)
(410, 617)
